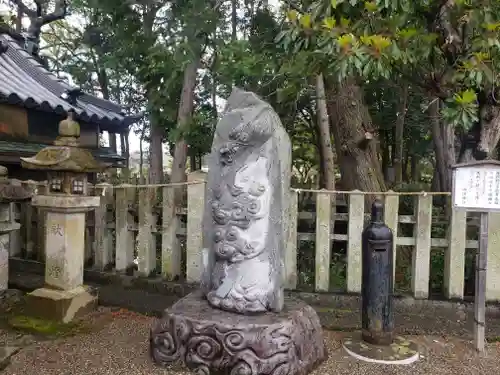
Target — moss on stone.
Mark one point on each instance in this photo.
(46, 327)
(493, 339)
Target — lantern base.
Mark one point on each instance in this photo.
(61, 305)
(400, 352)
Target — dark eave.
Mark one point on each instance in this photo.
(24, 81)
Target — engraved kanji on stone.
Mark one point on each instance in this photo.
(56, 230)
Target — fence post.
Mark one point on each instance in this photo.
(355, 230)
(124, 238)
(391, 219)
(493, 258)
(89, 236)
(41, 189)
(454, 263)
(291, 243)
(27, 216)
(170, 245)
(323, 242)
(146, 249)
(422, 252)
(14, 236)
(194, 240)
(103, 252)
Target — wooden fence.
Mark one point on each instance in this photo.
(126, 233)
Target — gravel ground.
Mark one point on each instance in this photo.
(118, 345)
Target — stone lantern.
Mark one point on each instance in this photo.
(64, 297)
(8, 194)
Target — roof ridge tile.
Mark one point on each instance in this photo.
(90, 107)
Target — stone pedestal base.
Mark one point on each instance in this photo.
(61, 305)
(211, 341)
(400, 352)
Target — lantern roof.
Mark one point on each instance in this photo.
(65, 154)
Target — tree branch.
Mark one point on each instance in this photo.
(294, 6)
(20, 4)
(37, 22)
(60, 11)
(39, 7)
(425, 83)
(452, 41)
(444, 19)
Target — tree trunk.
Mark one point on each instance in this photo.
(321, 173)
(328, 160)
(124, 145)
(354, 137)
(385, 154)
(415, 168)
(19, 19)
(436, 182)
(183, 117)
(443, 137)
(155, 152)
(141, 160)
(192, 162)
(234, 19)
(398, 139)
(481, 141)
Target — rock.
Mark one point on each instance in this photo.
(246, 220)
(10, 297)
(6, 352)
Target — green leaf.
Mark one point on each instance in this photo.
(468, 96)
(358, 64)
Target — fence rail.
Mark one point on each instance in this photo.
(138, 226)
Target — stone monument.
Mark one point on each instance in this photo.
(8, 194)
(240, 322)
(64, 297)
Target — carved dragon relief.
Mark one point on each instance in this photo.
(243, 249)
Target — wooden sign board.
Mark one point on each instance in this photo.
(476, 186)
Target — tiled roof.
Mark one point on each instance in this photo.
(22, 149)
(25, 81)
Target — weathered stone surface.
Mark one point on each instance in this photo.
(239, 322)
(63, 296)
(4, 262)
(245, 222)
(9, 192)
(5, 353)
(64, 234)
(65, 155)
(211, 342)
(61, 305)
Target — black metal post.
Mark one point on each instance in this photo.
(377, 283)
